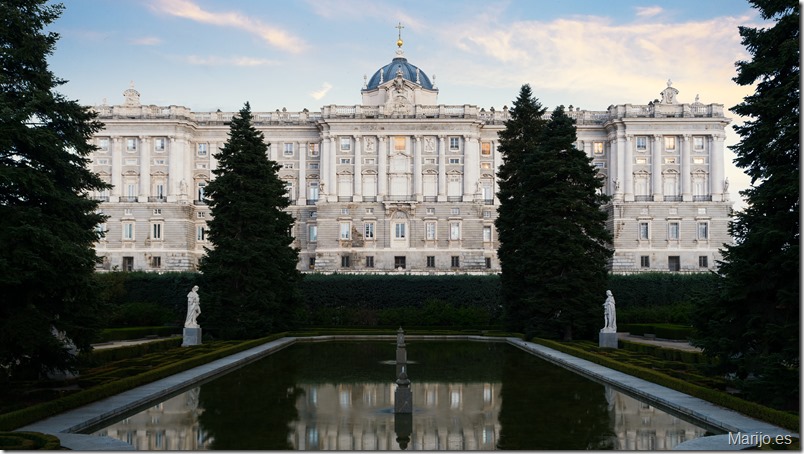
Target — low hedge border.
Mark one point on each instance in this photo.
(105, 355)
(669, 354)
(660, 330)
(777, 417)
(137, 332)
(14, 441)
(19, 418)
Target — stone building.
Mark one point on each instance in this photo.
(401, 183)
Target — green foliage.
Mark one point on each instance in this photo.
(661, 330)
(17, 441)
(106, 355)
(249, 277)
(136, 332)
(755, 410)
(554, 245)
(753, 327)
(140, 314)
(47, 221)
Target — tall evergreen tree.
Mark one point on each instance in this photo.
(753, 327)
(553, 242)
(250, 277)
(47, 222)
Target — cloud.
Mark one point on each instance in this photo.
(317, 95)
(360, 9)
(649, 11)
(228, 61)
(274, 36)
(146, 41)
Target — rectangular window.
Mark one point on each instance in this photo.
(641, 143)
(201, 214)
(669, 143)
(455, 211)
(103, 162)
(598, 147)
(128, 263)
(644, 231)
(644, 261)
(454, 230)
(454, 160)
(312, 233)
(345, 261)
(488, 262)
(699, 160)
(312, 166)
(156, 262)
(312, 149)
(345, 211)
(201, 233)
(103, 144)
(346, 160)
(346, 230)
(487, 214)
(454, 143)
(669, 160)
(430, 211)
(674, 263)
(346, 144)
(288, 149)
(131, 144)
(288, 165)
(314, 214)
(128, 231)
(399, 143)
(703, 261)
(430, 261)
(698, 143)
(156, 231)
(369, 161)
(672, 230)
(311, 263)
(159, 162)
(487, 234)
(399, 231)
(369, 210)
(485, 148)
(159, 144)
(703, 230)
(455, 261)
(429, 230)
(368, 230)
(485, 165)
(399, 262)
(370, 261)
(202, 149)
(157, 211)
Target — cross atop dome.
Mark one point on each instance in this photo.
(399, 41)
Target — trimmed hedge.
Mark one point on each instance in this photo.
(15, 441)
(106, 355)
(19, 418)
(661, 330)
(670, 354)
(777, 417)
(137, 332)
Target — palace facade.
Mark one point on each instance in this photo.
(401, 183)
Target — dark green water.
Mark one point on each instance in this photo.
(339, 395)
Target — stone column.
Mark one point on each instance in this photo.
(323, 157)
(471, 167)
(716, 168)
(357, 183)
(332, 189)
(417, 168)
(619, 151)
(656, 168)
(442, 169)
(497, 163)
(382, 168)
(587, 148)
(117, 168)
(629, 168)
(302, 186)
(686, 184)
(145, 170)
(213, 162)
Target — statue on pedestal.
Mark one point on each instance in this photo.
(193, 308)
(609, 314)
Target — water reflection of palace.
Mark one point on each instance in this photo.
(359, 416)
(454, 416)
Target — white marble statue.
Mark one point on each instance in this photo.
(193, 308)
(609, 314)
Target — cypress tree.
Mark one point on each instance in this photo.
(47, 221)
(249, 277)
(753, 327)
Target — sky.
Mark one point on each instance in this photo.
(215, 54)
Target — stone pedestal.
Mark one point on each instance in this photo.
(608, 340)
(192, 336)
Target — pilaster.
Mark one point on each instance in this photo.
(686, 183)
(417, 168)
(629, 168)
(442, 169)
(357, 179)
(382, 168)
(302, 186)
(656, 168)
(117, 168)
(145, 169)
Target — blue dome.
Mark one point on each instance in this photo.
(408, 73)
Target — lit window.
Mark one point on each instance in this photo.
(703, 230)
(454, 230)
(312, 233)
(644, 231)
(368, 230)
(128, 230)
(669, 143)
(201, 233)
(644, 261)
(641, 143)
(346, 144)
(370, 261)
(312, 149)
(454, 143)
(485, 148)
(430, 230)
(598, 147)
(698, 160)
(346, 230)
(485, 165)
(487, 234)
(399, 143)
(288, 150)
(672, 230)
(202, 149)
(641, 160)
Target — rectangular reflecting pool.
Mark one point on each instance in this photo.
(340, 396)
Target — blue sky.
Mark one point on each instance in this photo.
(213, 54)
